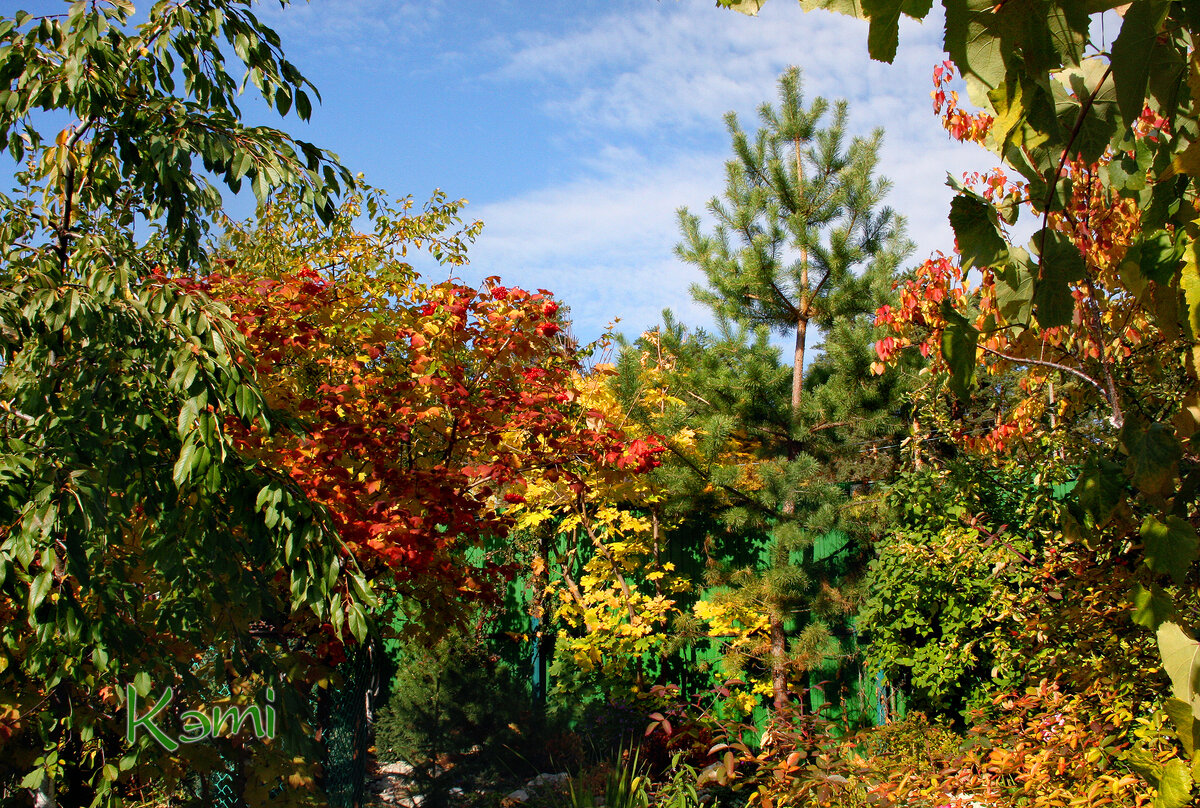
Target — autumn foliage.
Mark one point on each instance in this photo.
(419, 430)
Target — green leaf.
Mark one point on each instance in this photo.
(1168, 70)
(917, 9)
(1014, 289)
(1187, 728)
(959, 343)
(185, 463)
(1171, 546)
(1158, 256)
(977, 230)
(1095, 99)
(1127, 173)
(358, 621)
(851, 8)
(241, 163)
(246, 403)
(1154, 454)
(39, 589)
(1185, 162)
(34, 779)
(1008, 102)
(884, 33)
(1129, 270)
(749, 7)
(1131, 53)
(1068, 26)
(1100, 489)
(1189, 281)
(1151, 607)
(1181, 660)
(1025, 30)
(1174, 785)
(362, 590)
(142, 683)
(303, 105)
(974, 46)
(1060, 263)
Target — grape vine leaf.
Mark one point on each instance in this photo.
(1060, 264)
(1187, 728)
(960, 341)
(976, 227)
(1171, 546)
(1174, 785)
(1130, 67)
(1151, 607)
(1154, 454)
(1100, 488)
(1181, 661)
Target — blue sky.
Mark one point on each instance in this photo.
(576, 128)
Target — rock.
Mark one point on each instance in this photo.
(520, 795)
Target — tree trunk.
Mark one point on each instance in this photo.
(798, 368)
(804, 300)
(779, 688)
(779, 659)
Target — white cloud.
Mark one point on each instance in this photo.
(647, 91)
(688, 63)
(604, 244)
(364, 29)
(629, 103)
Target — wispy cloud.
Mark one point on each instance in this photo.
(647, 90)
(579, 131)
(604, 243)
(686, 64)
(370, 29)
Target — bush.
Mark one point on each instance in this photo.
(463, 719)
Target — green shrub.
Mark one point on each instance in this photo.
(463, 719)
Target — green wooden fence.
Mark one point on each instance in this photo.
(841, 691)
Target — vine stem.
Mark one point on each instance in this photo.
(1062, 162)
(1116, 419)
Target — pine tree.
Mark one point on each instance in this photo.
(801, 239)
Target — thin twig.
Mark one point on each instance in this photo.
(1116, 419)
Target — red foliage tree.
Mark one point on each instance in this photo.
(415, 425)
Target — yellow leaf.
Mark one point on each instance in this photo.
(1187, 421)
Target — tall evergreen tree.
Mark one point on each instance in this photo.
(800, 235)
(801, 238)
(724, 397)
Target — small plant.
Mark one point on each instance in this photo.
(682, 790)
(624, 787)
(911, 744)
